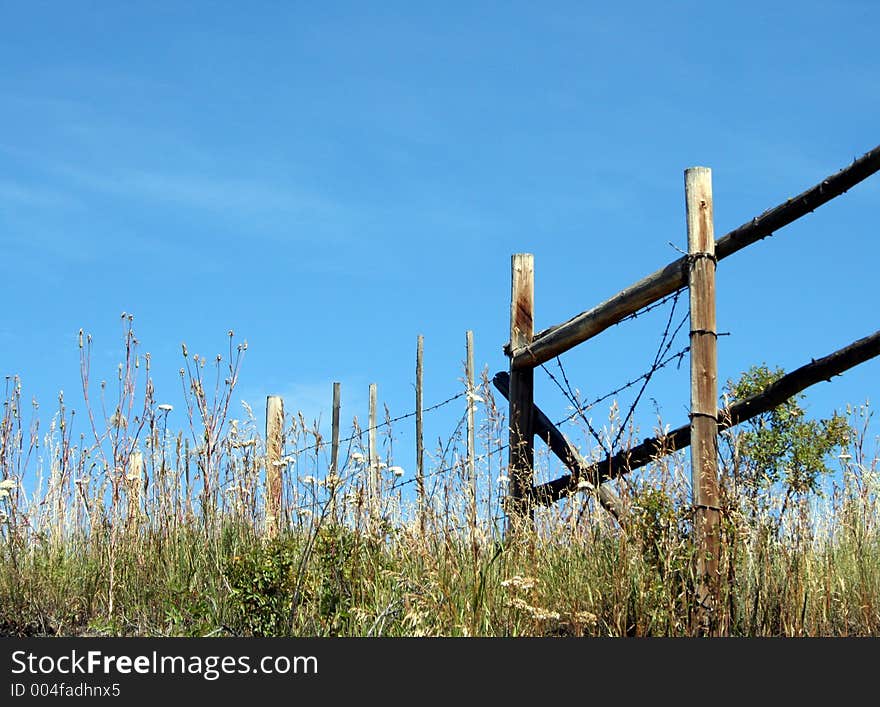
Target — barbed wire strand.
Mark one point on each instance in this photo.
(665, 344)
(320, 445)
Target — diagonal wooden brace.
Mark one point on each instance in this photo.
(568, 455)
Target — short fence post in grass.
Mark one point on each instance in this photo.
(274, 454)
(334, 485)
(135, 485)
(471, 395)
(373, 473)
(420, 442)
(189, 509)
(522, 453)
(704, 393)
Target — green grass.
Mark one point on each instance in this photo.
(340, 583)
(88, 548)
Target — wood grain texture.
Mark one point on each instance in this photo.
(274, 455)
(522, 304)
(704, 394)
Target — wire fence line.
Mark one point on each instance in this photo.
(663, 358)
(314, 447)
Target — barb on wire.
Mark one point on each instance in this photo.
(651, 307)
(661, 360)
(665, 344)
(572, 398)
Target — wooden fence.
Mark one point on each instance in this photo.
(696, 271)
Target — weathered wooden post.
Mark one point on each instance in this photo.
(334, 486)
(471, 431)
(135, 486)
(373, 472)
(420, 443)
(522, 330)
(704, 392)
(274, 454)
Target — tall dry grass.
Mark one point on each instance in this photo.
(113, 524)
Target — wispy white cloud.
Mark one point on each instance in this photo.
(200, 191)
(20, 194)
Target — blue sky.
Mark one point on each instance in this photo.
(331, 181)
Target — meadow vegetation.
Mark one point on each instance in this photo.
(113, 524)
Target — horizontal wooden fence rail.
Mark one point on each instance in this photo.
(776, 393)
(556, 340)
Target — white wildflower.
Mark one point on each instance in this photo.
(585, 617)
(165, 407)
(357, 457)
(8, 484)
(308, 479)
(520, 582)
(396, 470)
(536, 612)
(503, 480)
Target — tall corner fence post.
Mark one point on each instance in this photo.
(520, 510)
(274, 454)
(701, 264)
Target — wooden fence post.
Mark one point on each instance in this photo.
(471, 431)
(373, 473)
(704, 392)
(274, 454)
(522, 330)
(420, 444)
(333, 488)
(135, 486)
